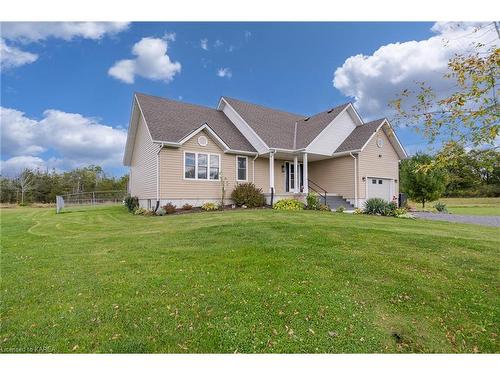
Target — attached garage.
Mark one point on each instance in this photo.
(378, 187)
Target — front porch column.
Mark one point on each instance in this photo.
(296, 180)
(271, 172)
(306, 176)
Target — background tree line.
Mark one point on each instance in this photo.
(460, 173)
(42, 186)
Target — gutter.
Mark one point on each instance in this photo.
(253, 168)
(344, 153)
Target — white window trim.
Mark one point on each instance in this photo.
(196, 153)
(246, 169)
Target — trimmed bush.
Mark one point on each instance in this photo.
(247, 194)
(376, 206)
(187, 207)
(209, 206)
(358, 211)
(132, 203)
(289, 205)
(441, 207)
(340, 209)
(324, 207)
(312, 201)
(169, 208)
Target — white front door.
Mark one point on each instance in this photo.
(379, 188)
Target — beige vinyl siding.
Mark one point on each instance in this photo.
(262, 175)
(143, 164)
(172, 182)
(335, 175)
(371, 165)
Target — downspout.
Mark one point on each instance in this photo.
(253, 168)
(158, 177)
(355, 180)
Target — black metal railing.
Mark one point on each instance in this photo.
(317, 189)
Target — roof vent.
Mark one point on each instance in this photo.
(330, 111)
(307, 119)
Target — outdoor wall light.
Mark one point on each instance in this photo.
(363, 179)
(282, 168)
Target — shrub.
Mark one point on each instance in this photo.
(23, 204)
(132, 203)
(209, 206)
(376, 206)
(187, 207)
(324, 207)
(312, 201)
(358, 211)
(400, 212)
(441, 207)
(391, 207)
(139, 211)
(288, 204)
(149, 213)
(247, 194)
(160, 212)
(169, 208)
(340, 209)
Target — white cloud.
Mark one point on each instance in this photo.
(374, 80)
(151, 62)
(72, 139)
(224, 73)
(11, 57)
(170, 36)
(16, 164)
(36, 31)
(248, 35)
(204, 44)
(218, 43)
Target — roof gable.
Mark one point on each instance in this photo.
(361, 136)
(171, 121)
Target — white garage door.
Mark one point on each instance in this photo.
(379, 188)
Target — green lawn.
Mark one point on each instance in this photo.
(102, 280)
(468, 206)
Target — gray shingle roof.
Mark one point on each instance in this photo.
(359, 136)
(277, 128)
(170, 121)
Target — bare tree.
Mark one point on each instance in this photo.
(25, 183)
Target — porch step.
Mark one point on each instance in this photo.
(336, 201)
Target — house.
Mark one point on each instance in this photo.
(181, 153)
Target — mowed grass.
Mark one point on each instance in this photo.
(102, 280)
(467, 206)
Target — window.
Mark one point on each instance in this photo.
(241, 165)
(380, 182)
(201, 166)
(189, 165)
(374, 182)
(214, 167)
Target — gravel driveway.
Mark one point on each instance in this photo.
(493, 221)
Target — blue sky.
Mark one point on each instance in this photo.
(56, 80)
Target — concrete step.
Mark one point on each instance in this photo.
(336, 201)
